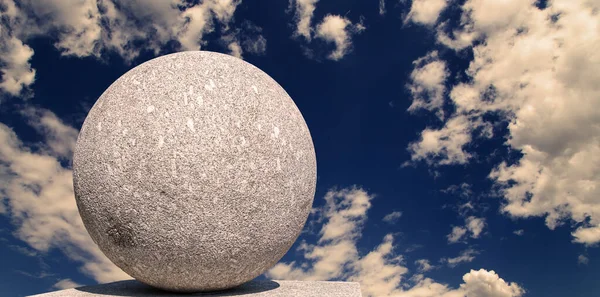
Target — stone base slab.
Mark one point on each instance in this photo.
(256, 288)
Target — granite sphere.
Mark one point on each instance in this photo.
(194, 171)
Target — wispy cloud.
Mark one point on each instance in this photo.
(392, 217)
(465, 256)
(333, 28)
(90, 28)
(473, 227)
(38, 191)
(382, 7)
(456, 234)
(381, 271)
(424, 265)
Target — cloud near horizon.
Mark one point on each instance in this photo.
(37, 189)
(381, 271)
(41, 204)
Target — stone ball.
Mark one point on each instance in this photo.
(194, 171)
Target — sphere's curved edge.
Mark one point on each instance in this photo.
(308, 175)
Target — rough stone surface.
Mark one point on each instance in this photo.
(194, 171)
(252, 289)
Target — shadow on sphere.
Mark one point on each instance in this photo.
(135, 288)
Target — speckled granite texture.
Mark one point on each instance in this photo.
(194, 171)
(251, 289)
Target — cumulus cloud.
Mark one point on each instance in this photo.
(427, 84)
(345, 212)
(519, 232)
(535, 69)
(583, 260)
(66, 283)
(16, 71)
(14, 54)
(392, 217)
(426, 12)
(304, 14)
(338, 30)
(457, 234)
(444, 146)
(93, 27)
(473, 227)
(465, 256)
(38, 191)
(482, 283)
(381, 271)
(332, 28)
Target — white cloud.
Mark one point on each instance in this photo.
(60, 139)
(16, 71)
(332, 28)
(457, 234)
(427, 84)
(519, 232)
(38, 192)
(304, 14)
(381, 7)
(424, 265)
(587, 235)
(77, 24)
(482, 283)
(92, 27)
(345, 212)
(66, 283)
(583, 260)
(473, 227)
(235, 49)
(537, 70)
(444, 146)
(465, 256)
(463, 190)
(426, 11)
(392, 217)
(338, 30)
(233, 45)
(380, 272)
(14, 55)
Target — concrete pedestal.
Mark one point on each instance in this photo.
(263, 288)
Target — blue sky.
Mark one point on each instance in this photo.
(458, 142)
